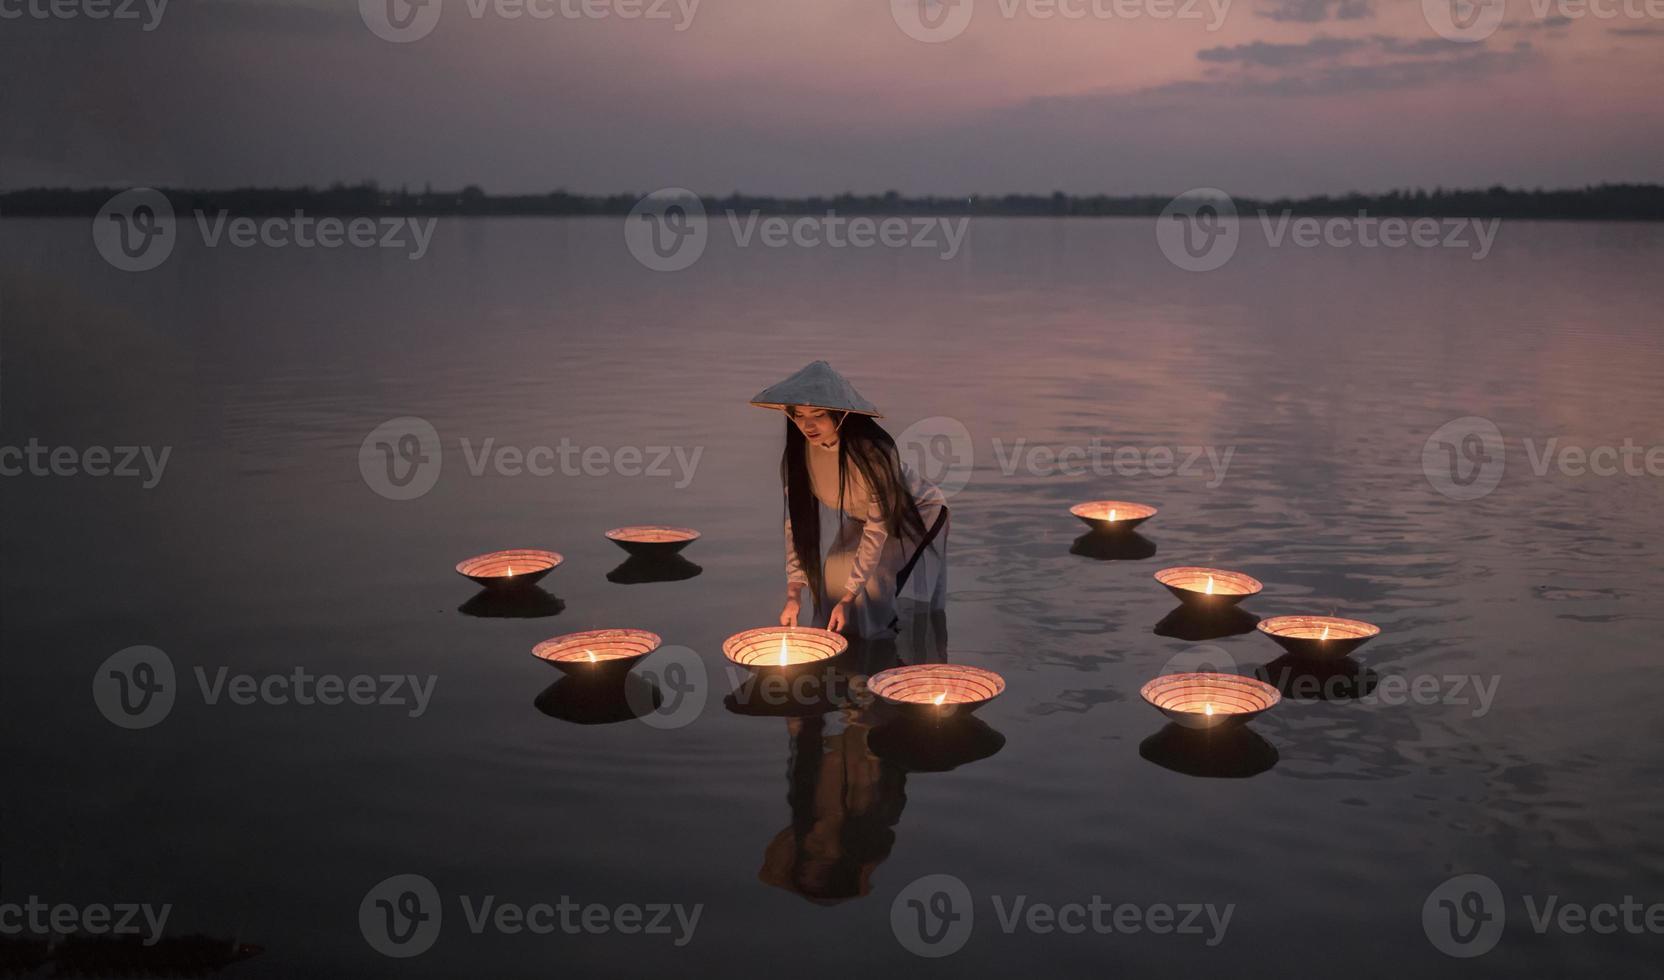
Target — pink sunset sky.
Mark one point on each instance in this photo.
(822, 96)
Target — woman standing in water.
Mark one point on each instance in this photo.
(862, 529)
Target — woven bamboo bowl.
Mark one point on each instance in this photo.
(936, 690)
(594, 652)
(1318, 637)
(652, 540)
(1209, 699)
(1208, 588)
(509, 569)
(783, 647)
(1113, 516)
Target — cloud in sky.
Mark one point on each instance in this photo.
(768, 97)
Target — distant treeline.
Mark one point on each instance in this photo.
(1615, 202)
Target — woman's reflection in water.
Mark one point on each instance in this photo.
(845, 800)
(845, 804)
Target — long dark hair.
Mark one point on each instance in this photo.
(864, 444)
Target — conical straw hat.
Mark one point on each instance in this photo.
(816, 386)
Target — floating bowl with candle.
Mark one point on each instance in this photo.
(1209, 699)
(597, 652)
(509, 569)
(1318, 637)
(1112, 516)
(652, 540)
(1208, 588)
(783, 647)
(936, 690)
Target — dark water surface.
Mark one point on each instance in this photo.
(1323, 372)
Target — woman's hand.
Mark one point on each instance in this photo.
(788, 615)
(840, 615)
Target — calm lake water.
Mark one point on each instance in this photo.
(1510, 727)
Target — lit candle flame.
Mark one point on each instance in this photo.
(1210, 585)
(1112, 515)
(1208, 709)
(783, 658)
(591, 655)
(1325, 635)
(939, 697)
(511, 570)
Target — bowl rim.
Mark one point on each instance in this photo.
(1145, 511)
(654, 639)
(1253, 683)
(556, 560)
(617, 533)
(1268, 625)
(840, 641)
(1256, 585)
(874, 682)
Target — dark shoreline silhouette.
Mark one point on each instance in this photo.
(1604, 202)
